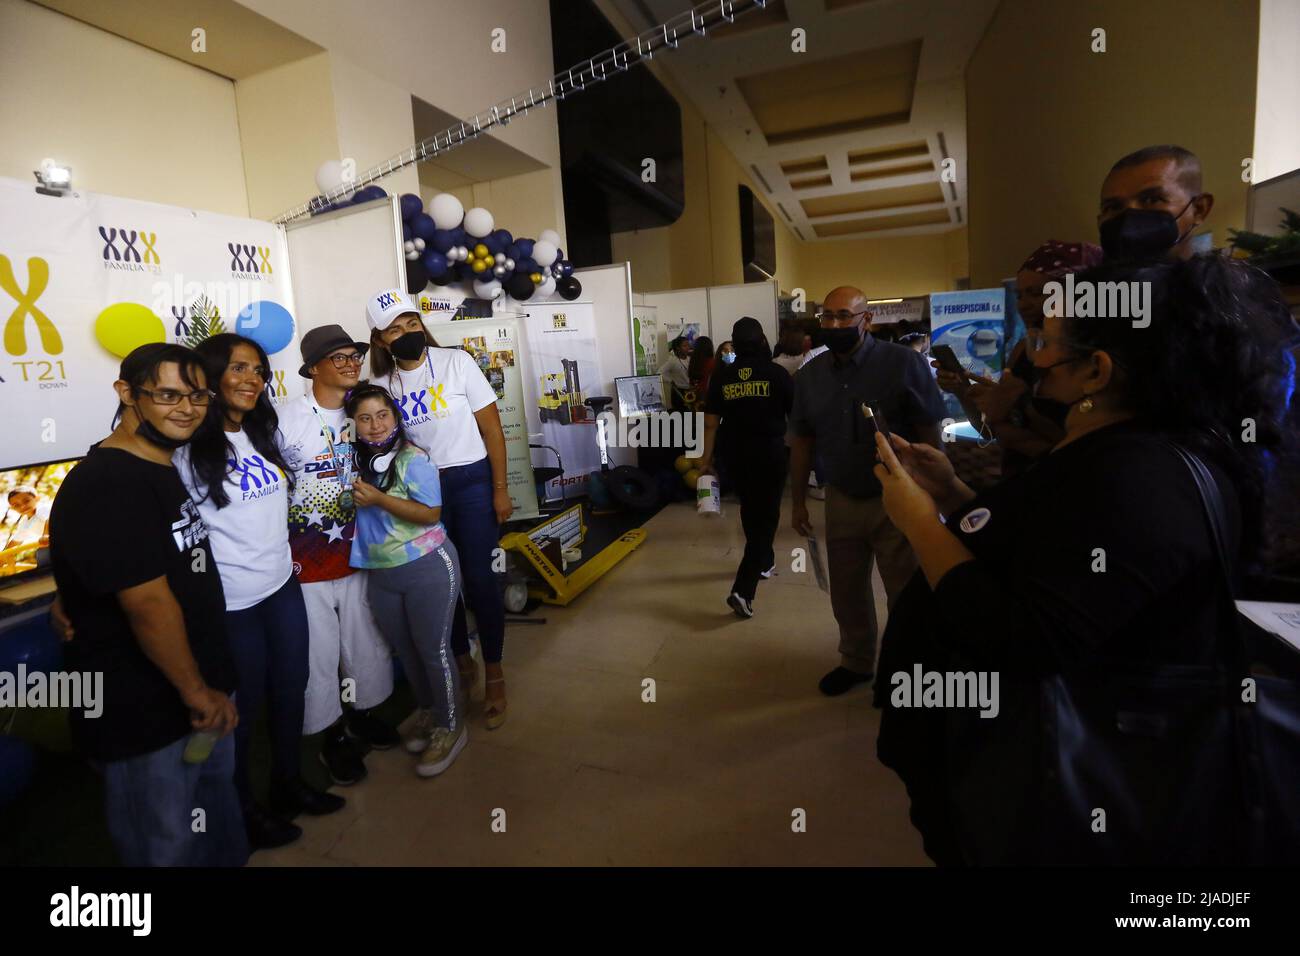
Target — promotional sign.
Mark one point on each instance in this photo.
(85, 279)
(645, 339)
(973, 324)
(565, 372)
(494, 344)
(911, 310)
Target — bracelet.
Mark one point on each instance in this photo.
(497, 487)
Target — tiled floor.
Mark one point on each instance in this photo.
(711, 773)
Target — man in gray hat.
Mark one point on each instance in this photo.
(348, 661)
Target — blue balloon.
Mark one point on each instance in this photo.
(503, 236)
(412, 205)
(443, 239)
(559, 254)
(463, 237)
(267, 323)
(368, 194)
(527, 265)
(493, 244)
(422, 226)
(446, 278)
(435, 263)
(407, 235)
(512, 250)
(525, 247)
(17, 764)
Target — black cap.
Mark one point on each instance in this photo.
(320, 342)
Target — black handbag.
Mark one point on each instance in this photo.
(1173, 765)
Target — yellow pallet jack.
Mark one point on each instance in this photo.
(542, 547)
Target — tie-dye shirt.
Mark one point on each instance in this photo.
(382, 539)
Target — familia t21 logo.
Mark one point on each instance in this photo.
(249, 261)
(48, 372)
(129, 258)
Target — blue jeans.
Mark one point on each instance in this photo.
(471, 523)
(269, 644)
(151, 801)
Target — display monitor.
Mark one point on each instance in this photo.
(26, 494)
(639, 395)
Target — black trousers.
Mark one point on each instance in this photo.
(758, 476)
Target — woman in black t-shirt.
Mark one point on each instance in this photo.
(1099, 557)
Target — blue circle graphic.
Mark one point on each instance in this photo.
(267, 323)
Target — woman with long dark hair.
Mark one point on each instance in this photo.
(413, 574)
(236, 474)
(449, 411)
(700, 368)
(1097, 561)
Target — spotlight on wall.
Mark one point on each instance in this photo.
(54, 179)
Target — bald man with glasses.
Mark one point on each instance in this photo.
(829, 392)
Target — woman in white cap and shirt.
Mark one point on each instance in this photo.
(449, 410)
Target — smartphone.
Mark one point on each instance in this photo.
(876, 418)
(947, 359)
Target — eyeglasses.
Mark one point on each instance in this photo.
(840, 316)
(341, 361)
(169, 396)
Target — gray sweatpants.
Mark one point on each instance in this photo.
(414, 606)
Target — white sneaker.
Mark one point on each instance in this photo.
(415, 730)
(444, 746)
(738, 604)
(769, 573)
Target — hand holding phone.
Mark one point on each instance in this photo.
(947, 359)
(877, 419)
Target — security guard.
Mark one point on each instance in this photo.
(753, 395)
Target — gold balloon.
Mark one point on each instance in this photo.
(537, 278)
(480, 251)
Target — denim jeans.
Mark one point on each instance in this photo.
(151, 803)
(268, 642)
(471, 524)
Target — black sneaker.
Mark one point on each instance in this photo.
(742, 606)
(288, 798)
(341, 759)
(842, 679)
(374, 733)
(267, 831)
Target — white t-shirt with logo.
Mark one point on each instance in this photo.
(438, 401)
(250, 535)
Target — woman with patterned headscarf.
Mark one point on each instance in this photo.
(1024, 426)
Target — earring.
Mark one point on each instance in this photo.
(1086, 405)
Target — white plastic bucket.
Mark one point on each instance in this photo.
(707, 499)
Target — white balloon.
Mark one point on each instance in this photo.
(409, 245)
(548, 235)
(419, 244)
(446, 210)
(498, 271)
(544, 252)
(479, 222)
(546, 286)
(329, 175)
(412, 255)
(510, 264)
(487, 290)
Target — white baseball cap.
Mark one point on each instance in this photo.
(386, 306)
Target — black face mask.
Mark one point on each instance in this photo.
(841, 341)
(1141, 233)
(409, 347)
(154, 437)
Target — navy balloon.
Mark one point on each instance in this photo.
(417, 277)
(562, 269)
(512, 251)
(445, 278)
(525, 247)
(407, 235)
(503, 236)
(368, 194)
(520, 286)
(462, 237)
(423, 227)
(493, 244)
(434, 262)
(443, 239)
(412, 205)
(569, 288)
(527, 266)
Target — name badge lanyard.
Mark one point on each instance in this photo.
(342, 466)
(397, 370)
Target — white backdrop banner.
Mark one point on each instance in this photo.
(496, 346)
(565, 372)
(84, 279)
